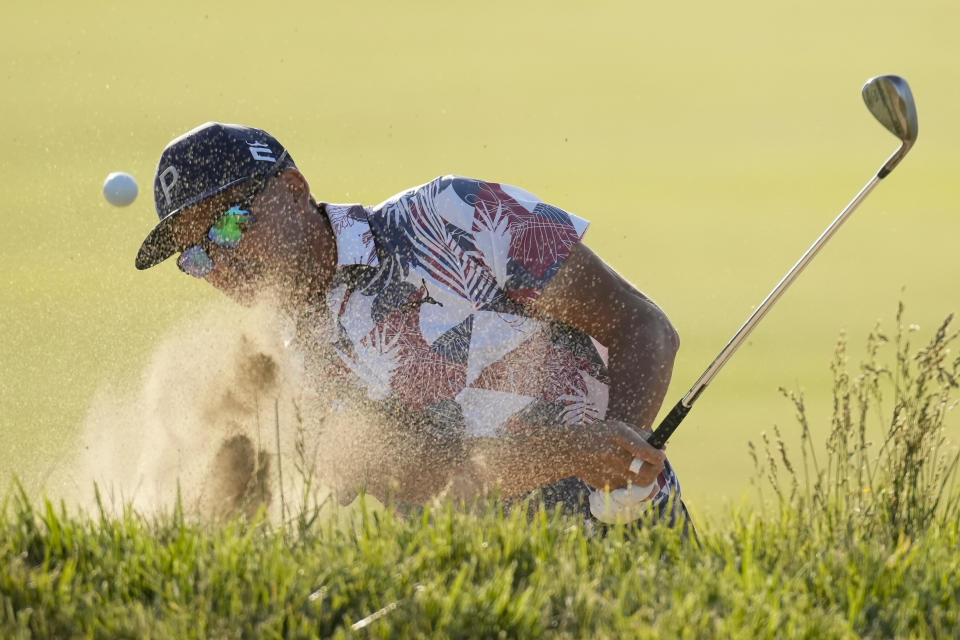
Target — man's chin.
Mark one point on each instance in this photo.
(257, 296)
(254, 291)
(247, 294)
(244, 300)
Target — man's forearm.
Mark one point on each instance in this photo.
(514, 465)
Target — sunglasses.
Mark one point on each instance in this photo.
(225, 232)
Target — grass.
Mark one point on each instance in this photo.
(909, 480)
(453, 574)
(860, 541)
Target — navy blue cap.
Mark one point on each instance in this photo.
(200, 164)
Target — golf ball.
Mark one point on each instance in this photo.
(120, 189)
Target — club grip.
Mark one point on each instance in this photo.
(669, 425)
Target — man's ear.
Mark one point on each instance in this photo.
(293, 181)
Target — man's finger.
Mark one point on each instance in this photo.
(636, 443)
(642, 473)
(646, 453)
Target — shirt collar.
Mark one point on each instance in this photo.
(352, 233)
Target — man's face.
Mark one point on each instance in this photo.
(273, 250)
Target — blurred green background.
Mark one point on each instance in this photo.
(709, 144)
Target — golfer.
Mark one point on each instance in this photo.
(472, 306)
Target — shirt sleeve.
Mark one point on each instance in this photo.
(522, 240)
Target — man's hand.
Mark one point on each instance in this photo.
(600, 454)
(535, 455)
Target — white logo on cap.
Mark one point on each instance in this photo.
(260, 151)
(174, 175)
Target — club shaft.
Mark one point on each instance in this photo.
(774, 295)
(680, 410)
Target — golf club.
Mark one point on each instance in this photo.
(890, 101)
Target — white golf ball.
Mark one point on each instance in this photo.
(120, 189)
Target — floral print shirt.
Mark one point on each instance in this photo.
(429, 307)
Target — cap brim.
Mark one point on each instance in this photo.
(159, 244)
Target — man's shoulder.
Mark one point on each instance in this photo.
(435, 186)
(465, 190)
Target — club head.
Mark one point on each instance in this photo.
(890, 101)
